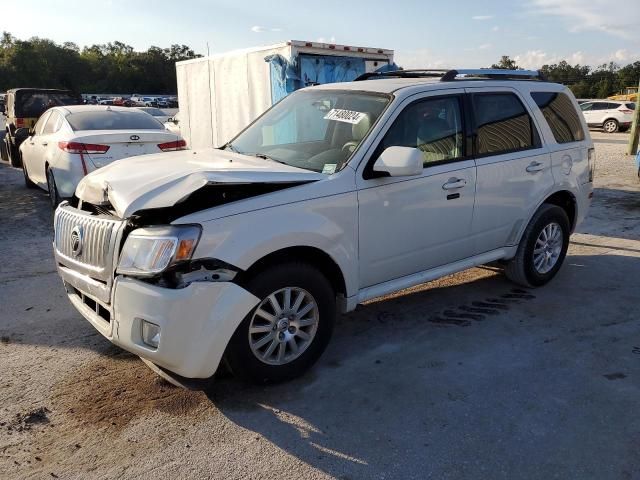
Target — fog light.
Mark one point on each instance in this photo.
(150, 334)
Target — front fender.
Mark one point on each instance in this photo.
(329, 224)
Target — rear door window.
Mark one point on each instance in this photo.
(39, 126)
(53, 124)
(503, 124)
(561, 116)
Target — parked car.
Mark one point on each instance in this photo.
(162, 103)
(67, 143)
(337, 194)
(155, 113)
(172, 102)
(23, 108)
(609, 115)
(106, 101)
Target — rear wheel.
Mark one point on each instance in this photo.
(542, 248)
(289, 329)
(54, 197)
(610, 126)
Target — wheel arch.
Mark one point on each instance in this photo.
(567, 201)
(311, 255)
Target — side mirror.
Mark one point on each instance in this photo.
(400, 162)
(22, 134)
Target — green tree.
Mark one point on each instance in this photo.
(506, 63)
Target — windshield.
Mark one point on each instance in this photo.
(313, 129)
(113, 120)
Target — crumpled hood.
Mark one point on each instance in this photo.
(163, 179)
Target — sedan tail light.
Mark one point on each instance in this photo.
(77, 147)
(173, 146)
(20, 123)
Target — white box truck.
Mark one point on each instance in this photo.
(221, 94)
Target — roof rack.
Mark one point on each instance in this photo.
(494, 74)
(417, 73)
(450, 75)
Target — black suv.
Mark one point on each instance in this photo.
(23, 108)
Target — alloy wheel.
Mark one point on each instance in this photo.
(283, 326)
(548, 248)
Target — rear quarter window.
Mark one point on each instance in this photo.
(112, 120)
(561, 116)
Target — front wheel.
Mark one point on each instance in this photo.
(542, 248)
(610, 126)
(289, 329)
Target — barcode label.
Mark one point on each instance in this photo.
(347, 116)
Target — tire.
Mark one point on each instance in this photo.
(13, 153)
(522, 269)
(3, 151)
(27, 181)
(244, 349)
(610, 126)
(54, 196)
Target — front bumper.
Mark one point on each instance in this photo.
(196, 322)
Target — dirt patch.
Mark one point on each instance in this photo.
(112, 391)
(25, 421)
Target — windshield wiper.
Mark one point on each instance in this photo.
(266, 157)
(229, 146)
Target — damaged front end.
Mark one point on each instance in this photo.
(154, 250)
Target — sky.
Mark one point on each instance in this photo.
(430, 34)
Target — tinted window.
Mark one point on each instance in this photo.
(33, 104)
(434, 126)
(613, 106)
(600, 106)
(630, 106)
(113, 120)
(561, 116)
(503, 124)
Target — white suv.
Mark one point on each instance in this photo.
(338, 194)
(609, 115)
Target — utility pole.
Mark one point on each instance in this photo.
(635, 127)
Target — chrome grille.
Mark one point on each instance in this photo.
(98, 241)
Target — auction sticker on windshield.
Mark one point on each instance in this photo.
(348, 116)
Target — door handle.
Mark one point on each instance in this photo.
(454, 183)
(535, 167)
(44, 144)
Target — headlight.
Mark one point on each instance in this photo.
(149, 251)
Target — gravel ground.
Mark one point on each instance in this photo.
(546, 386)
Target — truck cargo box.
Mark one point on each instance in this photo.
(221, 94)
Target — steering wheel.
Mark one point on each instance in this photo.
(350, 146)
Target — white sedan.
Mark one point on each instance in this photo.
(68, 142)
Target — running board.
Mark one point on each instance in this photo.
(414, 279)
